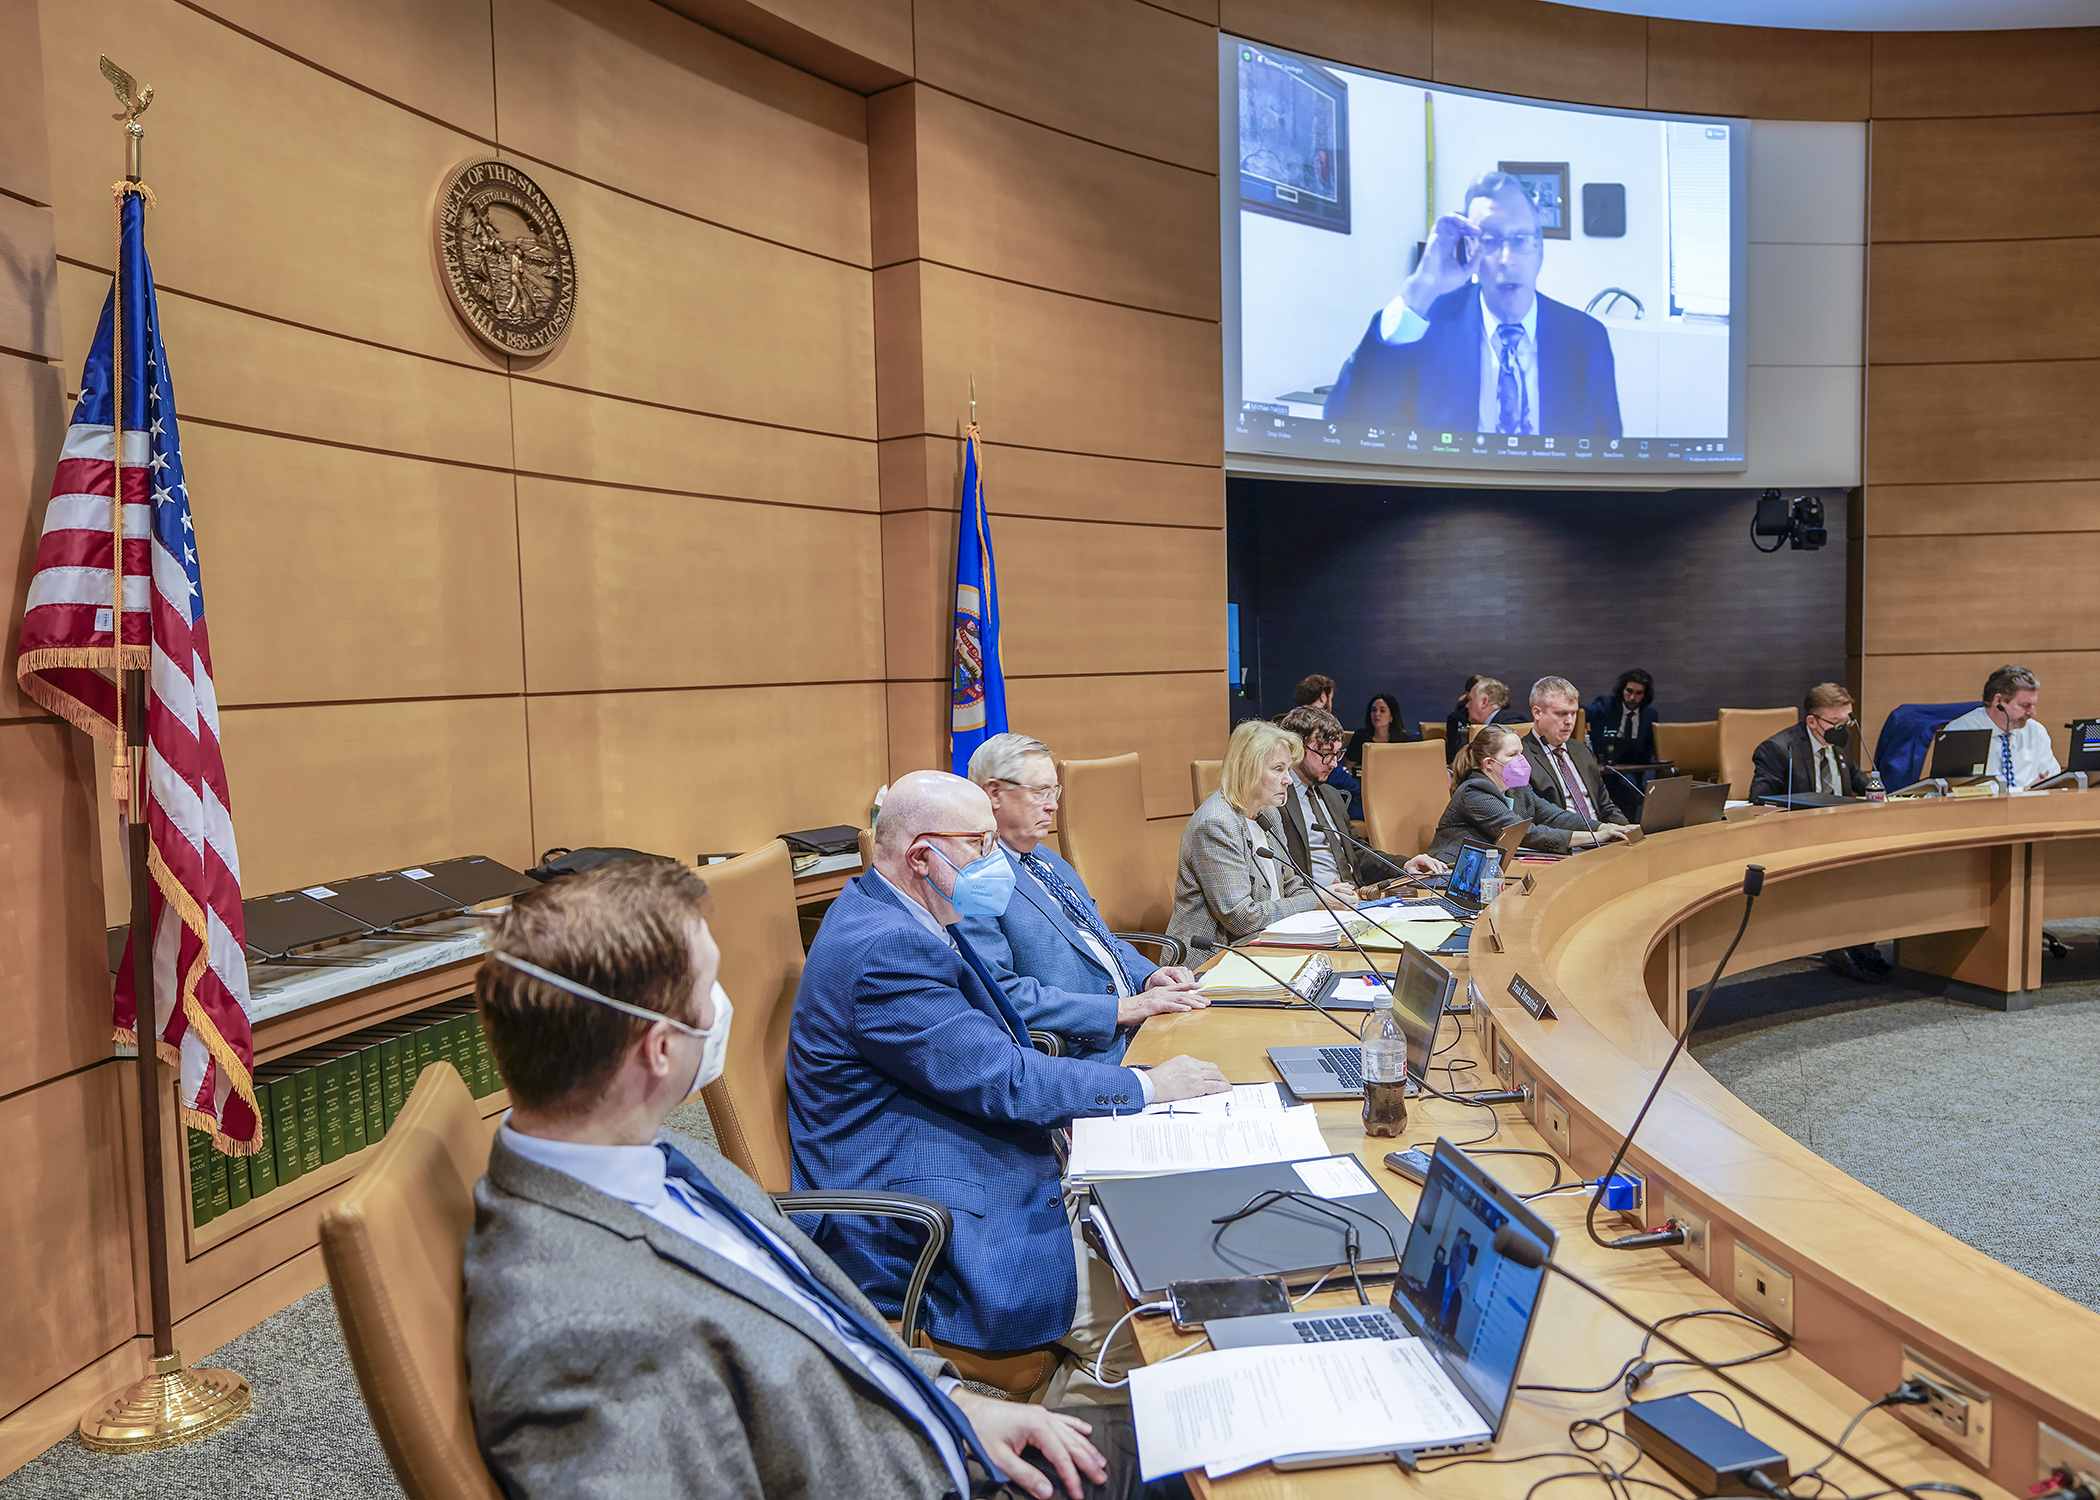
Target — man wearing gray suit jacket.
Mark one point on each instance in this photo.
(641, 1320)
(1064, 971)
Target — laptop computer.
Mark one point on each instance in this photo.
(1421, 989)
(1960, 752)
(1708, 803)
(1459, 892)
(1680, 802)
(472, 880)
(2085, 746)
(384, 901)
(1473, 1310)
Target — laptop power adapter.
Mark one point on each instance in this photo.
(1703, 1448)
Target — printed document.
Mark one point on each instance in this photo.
(1151, 1145)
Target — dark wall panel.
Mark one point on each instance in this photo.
(1410, 591)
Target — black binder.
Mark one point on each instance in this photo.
(840, 838)
(1162, 1225)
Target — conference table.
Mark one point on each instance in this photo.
(1611, 941)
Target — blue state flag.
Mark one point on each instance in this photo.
(977, 684)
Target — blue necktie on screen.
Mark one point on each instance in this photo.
(1080, 910)
(2005, 758)
(677, 1164)
(1513, 399)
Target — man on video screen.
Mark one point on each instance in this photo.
(1469, 344)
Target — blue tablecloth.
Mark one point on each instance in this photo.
(1907, 734)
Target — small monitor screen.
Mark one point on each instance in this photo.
(1425, 276)
(1418, 1003)
(1470, 1302)
(1466, 871)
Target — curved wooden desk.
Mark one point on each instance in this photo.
(1615, 939)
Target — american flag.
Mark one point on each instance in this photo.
(69, 657)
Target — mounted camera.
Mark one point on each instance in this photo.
(1795, 523)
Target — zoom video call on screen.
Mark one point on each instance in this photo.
(1429, 276)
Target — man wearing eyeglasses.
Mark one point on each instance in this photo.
(1315, 816)
(909, 1069)
(1470, 344)
(1050, 950)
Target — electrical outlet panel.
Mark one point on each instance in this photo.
(1695, 1251)
(1530, 1086)
(2060, 1459)
(1553, 1124)
(1505, 1065)
(1957, 1413)
(1763, 1288)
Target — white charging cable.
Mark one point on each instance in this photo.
(1100, 1376)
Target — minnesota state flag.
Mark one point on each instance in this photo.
(977, 685)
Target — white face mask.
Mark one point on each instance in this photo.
(715, 1055)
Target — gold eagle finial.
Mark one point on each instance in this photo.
(123, 83)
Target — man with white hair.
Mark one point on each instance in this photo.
(1563, 771)
(910, 1070)
(1051, 952)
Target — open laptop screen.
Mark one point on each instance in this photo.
(1419, 990)
(1475, 1307)
(1467, 870)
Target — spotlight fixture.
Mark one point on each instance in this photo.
(1796, 523)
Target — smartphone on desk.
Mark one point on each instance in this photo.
(1197, 1302)
(1413, 1164)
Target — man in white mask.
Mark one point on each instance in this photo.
(640, 1318)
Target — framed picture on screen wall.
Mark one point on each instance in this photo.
(1547, 183)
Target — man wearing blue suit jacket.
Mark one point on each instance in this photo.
(1050, 951)
(908, 1069)
(1469, 345)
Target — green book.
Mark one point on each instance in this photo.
(262, 1166)
(393, 1089)
(426, 1046)
(221, 1194)
(356, 1136)
(308, 1083)
(284, 1126)
(375, 1089)
(442, 1033)
(236, 1181)
(328, 1093)
(484, 1057)
(200, 1178)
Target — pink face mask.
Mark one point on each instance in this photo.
(1517, 773)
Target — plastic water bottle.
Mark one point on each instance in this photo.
(1876, 792)
(1491, 876)
(1384, 1067)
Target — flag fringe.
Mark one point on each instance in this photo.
(64, 704)
(196, 1119)
(200, 1022)
(117, 190)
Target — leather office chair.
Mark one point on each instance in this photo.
(1435, 731)
(1406, 789)
(1742, 730)
(867, 849)
(759, 933)
(394, 1245)
(1128, 865)
(1693, 746)
(1205, 777)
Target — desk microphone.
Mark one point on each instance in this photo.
(1513, 1244)
(1673, 1234)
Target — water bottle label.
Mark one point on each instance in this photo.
(1384, 1063)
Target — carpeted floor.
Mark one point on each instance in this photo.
(1967, 1117)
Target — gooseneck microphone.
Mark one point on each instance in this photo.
(1513, 1244)
(1377, 979)
(1753, 884)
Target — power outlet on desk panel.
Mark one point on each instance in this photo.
(2063, 1460)
(1553, 1124)
(1763, 1288)
(1696, 1251)
(1505, 1064)
(1956, 1412)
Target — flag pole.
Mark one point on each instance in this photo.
(173, 1404)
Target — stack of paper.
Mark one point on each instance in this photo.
(1384, 927)
(1151, 1145)
(1240, 1099)
(1235, 976)
(1239, 1407)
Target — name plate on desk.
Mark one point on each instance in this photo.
(1530, 999)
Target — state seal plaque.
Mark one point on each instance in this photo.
(509, 267)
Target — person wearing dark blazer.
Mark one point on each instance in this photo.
(909, 1069)
(1382, 726)
(1315, 815)
(1815, 755)
(641, 1319)
(1470, 345)
(1492, 794)
(1622, 722)
(1563, 772)
(1050, 951)
(1483, 701)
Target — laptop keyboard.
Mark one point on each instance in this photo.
(1449, 907)
(1345, 1064)
(1337, 1330)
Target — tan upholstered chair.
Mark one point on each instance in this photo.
(1693, 746)
(394, 1245)
(760, 934)
(1434, 731)
(867, 849)
(1127, 865)
(1742, 731)
(1205, 777)
(1406, 788)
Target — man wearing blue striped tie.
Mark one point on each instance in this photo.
(1060, 966)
